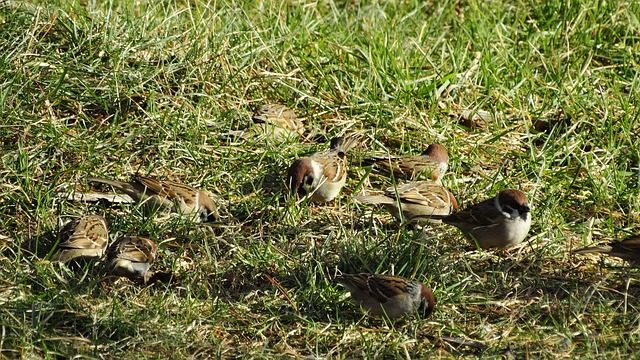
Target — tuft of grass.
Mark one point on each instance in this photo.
(537, 96)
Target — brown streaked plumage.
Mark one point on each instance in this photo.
(167, 195)
(431, 164)
(84, 238)
(277, 122)
(131, 256)
(420, 201)
(388, 295)
(627, 249)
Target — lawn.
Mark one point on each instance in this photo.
(540, 96)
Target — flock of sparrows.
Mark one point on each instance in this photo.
(86, 239)
(499, 222)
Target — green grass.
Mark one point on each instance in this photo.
(110, 88)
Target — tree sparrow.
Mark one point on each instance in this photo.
(277, 122)
(167, 195)
(131, 256)
(431, 164)
(627, 249)
(387, 294)
(84, 238)
(419, 201)
(322, 175)
(502, 221)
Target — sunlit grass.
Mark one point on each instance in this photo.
(541, 97)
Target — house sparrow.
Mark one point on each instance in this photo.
(627, 249)
(502, 221)
(84, 238)
(131, 256)
(167, 195)
(387, 294)
(431, 164)
(277, 122)
(419, 201)
(322, 175)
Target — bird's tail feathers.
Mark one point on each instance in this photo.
(603, 249)
(123, 186)
(374, 199)
(345, 143)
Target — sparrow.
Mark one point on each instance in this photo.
(431, 164)
(388, 294)
(158, 194)
(131, 256)
(502, 221)
(322, 175)
(84, 238)
(627, 249)
(418, 200)
(277, 122)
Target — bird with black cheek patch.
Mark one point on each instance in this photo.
(322, 175)
(500, 222)
(389, 295)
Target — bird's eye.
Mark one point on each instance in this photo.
(341, 155)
